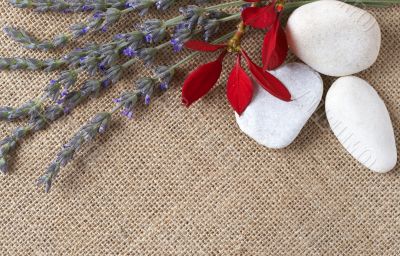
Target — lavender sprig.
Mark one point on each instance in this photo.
(8, 144)
(68, 6)
(31, 108)
(101, 20)
(97, 125)
(31, 64)
(37, 122)
(28, 41)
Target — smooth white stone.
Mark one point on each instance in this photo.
(334, 38)
(275, 123)
(361, 122)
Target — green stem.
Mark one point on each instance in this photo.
(232, 17)
(127, 10)
(225, 5)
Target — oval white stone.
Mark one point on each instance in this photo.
(275, 123)
(361, 122)
(334, 38)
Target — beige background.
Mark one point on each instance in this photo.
(179, 181)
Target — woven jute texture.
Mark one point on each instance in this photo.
(177, 181)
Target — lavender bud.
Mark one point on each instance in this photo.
(53, 112)
(71, 100)
(98, 15)
(165, 75)
(128, 100)
(60, 40)
(112, 15)
(114, 73)
(154, 29)
(147, 55)
(105, 124)
(192, 14)
(142, 6)
(129, 52)
(181, 35)
(79, 29)
(164, 86)
(164, 4)
(53, 90)
(210, 27)
(68, 78)
(147, 99)
(19, 132)
(146, 87)
(5, 112)
(91, 87)
(21, 36)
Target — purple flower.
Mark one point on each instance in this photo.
(83, 59)
(149, 38)
(164, 75)
(164, 86)
(177, 45)
(128, 112)
(117, 100)
(147, 99)
(102, 67)
(85, 30)
(106, 83)
(97, 15)
(119, 36)
(86, 8)
(67, 110)
(129, 52)
(64, 93)
(61, 101)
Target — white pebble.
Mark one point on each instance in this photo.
(361, 122)
(334, 38)
(275, 123)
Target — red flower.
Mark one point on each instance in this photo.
(275, 46)
(239, 87)
(259, 17)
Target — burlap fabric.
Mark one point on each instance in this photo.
(179, 181)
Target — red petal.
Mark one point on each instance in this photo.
(275, 47)
(270, 83)
(259, 17)
(202, 46)
(239, 89)
(200, 81)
